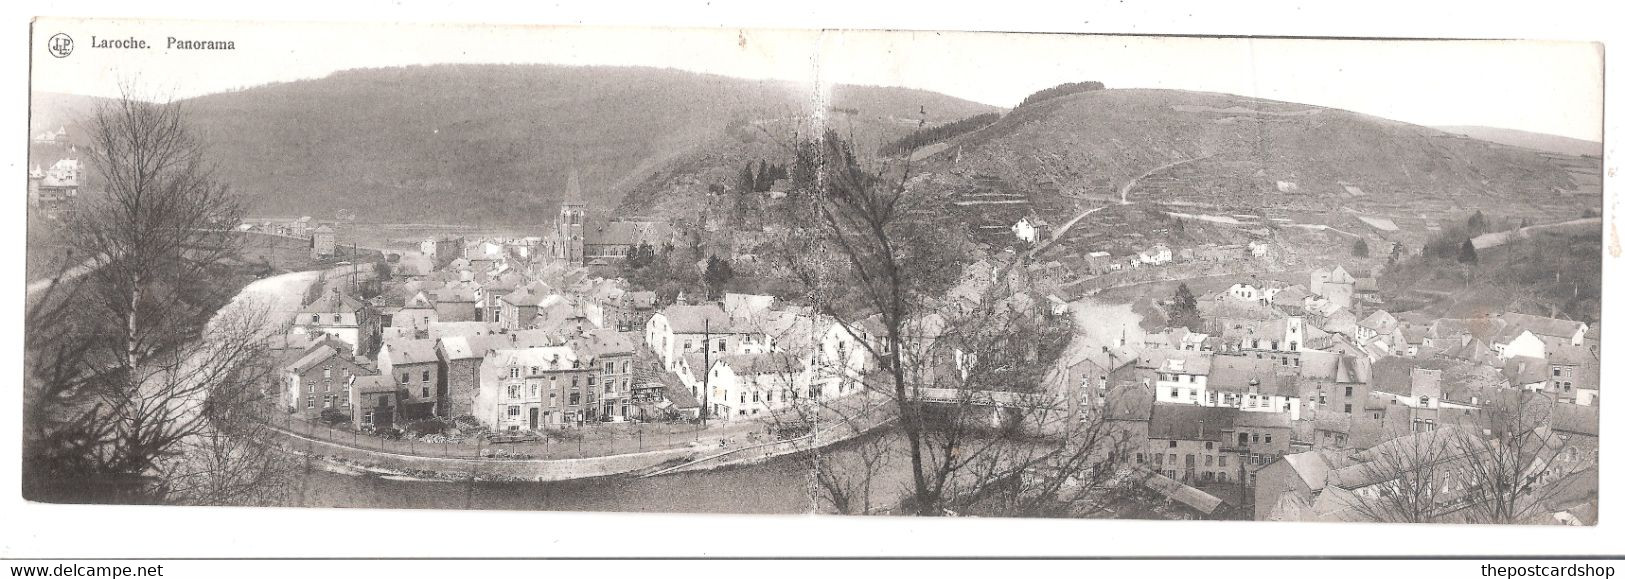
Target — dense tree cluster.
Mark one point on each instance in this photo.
(759, 177)
(1062, 90)
(939, 133)
(1182, 310)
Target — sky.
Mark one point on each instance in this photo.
(1546, 87)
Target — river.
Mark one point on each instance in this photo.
(775, 487)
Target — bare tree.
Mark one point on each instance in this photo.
(1502, 464)
(951, 354)
(1403, 480)
(128, 363)
(1524, 466)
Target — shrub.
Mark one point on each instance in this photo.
(334, 417)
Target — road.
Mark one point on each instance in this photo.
(69, 275)
(1061, 232)
(1499, 238)
(1122, 193)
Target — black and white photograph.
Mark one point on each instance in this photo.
(1230, 282)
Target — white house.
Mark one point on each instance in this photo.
(1259, 248)
(1250, 292)
(530, 388)
(680, 329)
(1025, 230)
(1159, 254)
(1526, 344)
(755, 386)
(1182, 378)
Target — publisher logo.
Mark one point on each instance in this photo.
(60, 45)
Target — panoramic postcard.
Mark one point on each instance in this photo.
(841, 272)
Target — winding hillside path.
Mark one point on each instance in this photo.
(1061, 232)
(69, 275)
(1500, 238)
(1122, 193)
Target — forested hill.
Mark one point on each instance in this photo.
(489, 144)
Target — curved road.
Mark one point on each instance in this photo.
(1122, 194)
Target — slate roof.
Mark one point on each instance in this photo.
(1472, 350)
(1311, 467)
(411, 351)
(458, 348)
(601, 342)
(1381, 321)
(334, 303)
(1574, 419)
(373, 384)
(1570, 355)
(1481, 328)
(1181, 493)
(1190, 422)
(523, 298)
(312, 357)
(763, 363)
(1334, 367)
(1541, 326)
(1184, 362)
(1237, 374)
(1521, 370)
(686, 319)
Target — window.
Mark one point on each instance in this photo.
(404, 377)
(1221, 463)
(1348, 409)
(513, 391)
(327, 401)
(1267, 438)
(513, 411)
(1173, 444)
(425, 376)
(1210, 446)
(1424, 401)
(327, 372)
(1207, 460)
(575, 398)
(513, 372)
(1241, 439)
(1255, 437)
(310, 401)
(425, 392)
(1348, 391)
(315, 318)
(1139, 458)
